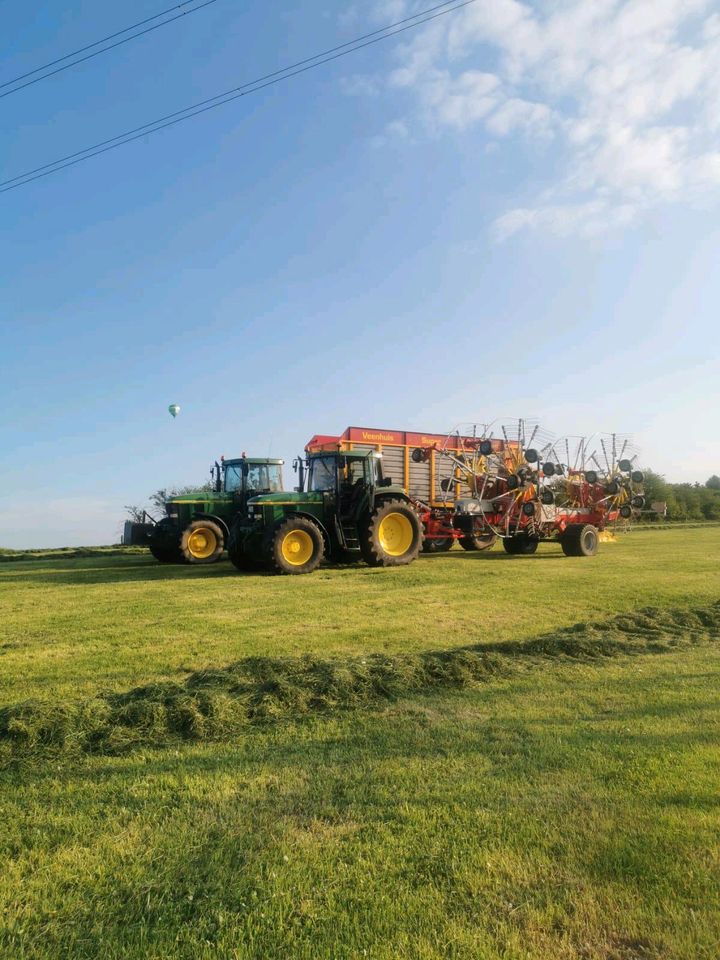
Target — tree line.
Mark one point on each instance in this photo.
(685, 501)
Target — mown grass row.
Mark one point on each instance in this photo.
(219, 704)
(69, 553)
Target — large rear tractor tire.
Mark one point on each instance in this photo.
(202, 541)
(437, 544)
(391, 535)
(165, 543)
(294, 546)
(478, 541)
(580, 540)
(520, 545)
(165, 553)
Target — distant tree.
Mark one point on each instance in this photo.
(713, 482)
(655, 486)
(160, 497)
(157, 501)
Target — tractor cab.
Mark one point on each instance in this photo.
(249, 476)
(346, 479)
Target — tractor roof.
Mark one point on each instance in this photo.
(253, 460)
(345, 454)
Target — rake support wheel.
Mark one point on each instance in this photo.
(437, 544)
(580, 540)
(478, 541)
(520, 545)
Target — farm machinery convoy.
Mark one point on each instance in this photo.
(383, 496)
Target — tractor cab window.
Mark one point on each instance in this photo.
(264, 478)
(322, 474)
(373, 470)
(353, 470)
(259, 477)
(233, 478)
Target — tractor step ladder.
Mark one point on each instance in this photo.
(349, 537)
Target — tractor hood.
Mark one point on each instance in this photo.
(200, 496)
(285, 498)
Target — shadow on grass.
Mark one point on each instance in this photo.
(146, 569)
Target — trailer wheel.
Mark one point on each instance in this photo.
(437, 544)
(520, 545)
(478, 541)
(391, 535)
(580, 540)
(202, 541)
(294, 546)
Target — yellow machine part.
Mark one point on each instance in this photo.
(202, 543)
(395, 534)
(297, 547)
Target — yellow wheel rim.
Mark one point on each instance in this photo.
(297, 547)
(202, 543)
(395, 534)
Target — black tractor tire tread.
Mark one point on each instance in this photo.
(274, 560)
(572, 540)
(219, 536)
(372, 553)
(166, 553)
(165, 544)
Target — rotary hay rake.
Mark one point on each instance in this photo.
(511, 480)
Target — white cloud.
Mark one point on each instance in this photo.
(628, 89)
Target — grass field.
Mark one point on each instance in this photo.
(530, 767)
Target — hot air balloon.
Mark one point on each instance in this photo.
(174, 409)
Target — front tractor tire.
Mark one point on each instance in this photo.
(580, 540)
(391, 536)
(294, 546)
(202, 541)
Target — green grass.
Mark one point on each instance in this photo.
(68, 553)
(495, 759)
(71, 627)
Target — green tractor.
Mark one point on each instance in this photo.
(346, 512)
(196, 526)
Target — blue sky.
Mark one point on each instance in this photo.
(494, 217)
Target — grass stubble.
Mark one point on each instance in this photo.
(516, 798)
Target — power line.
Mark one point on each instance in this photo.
(235, 93)
(68, 56)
